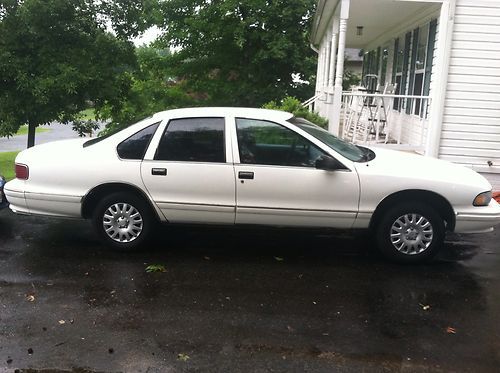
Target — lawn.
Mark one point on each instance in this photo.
(88, 114)
(23, 130)
(7, 164)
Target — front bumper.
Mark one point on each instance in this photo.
(478, 219)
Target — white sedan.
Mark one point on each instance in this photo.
(250, 166)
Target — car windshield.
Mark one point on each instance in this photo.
(349, 151)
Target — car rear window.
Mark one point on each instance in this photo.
(136, 145)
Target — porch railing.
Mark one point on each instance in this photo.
(389, 119)
(311, 102)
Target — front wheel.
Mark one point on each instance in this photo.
(410, 233)
(123, 221)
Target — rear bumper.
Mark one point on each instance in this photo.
(32, 203)
(478, 219)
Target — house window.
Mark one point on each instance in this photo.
(383, 69)
(370, 70)
(420, 40)
(401, 50)
(412, 67)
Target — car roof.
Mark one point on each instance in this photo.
(225, 111)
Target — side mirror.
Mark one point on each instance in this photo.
(327, 163)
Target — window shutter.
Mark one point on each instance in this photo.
(365, 61)
(430, 56)
(395, 61)
(405, 63)
(412, 68)
(377, 66)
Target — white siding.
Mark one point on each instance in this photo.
(471, 121)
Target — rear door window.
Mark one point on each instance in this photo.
(193, 140)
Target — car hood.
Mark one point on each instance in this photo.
(426, 170)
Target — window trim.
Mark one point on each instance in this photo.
(155, 142)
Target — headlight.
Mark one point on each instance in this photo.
(483, 199)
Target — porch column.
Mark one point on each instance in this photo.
(321, 76)
(328, 47)
(443, 49)
(334, 120)
(333, 52)
(318, 70)
(333, 61)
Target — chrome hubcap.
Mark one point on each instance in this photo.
(122, 222)
(411, 234)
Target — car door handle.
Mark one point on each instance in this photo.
(245, 175)
(159, 171)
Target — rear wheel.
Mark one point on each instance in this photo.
(123, 221)
(410, 233)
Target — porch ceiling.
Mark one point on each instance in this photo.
(376, 16)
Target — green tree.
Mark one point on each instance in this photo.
(240, 52)
(56, 56)
(153, 89)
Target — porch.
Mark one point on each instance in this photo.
(377, 119)
(399, 103)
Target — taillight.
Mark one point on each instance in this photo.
(22, 171)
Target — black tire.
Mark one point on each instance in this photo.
(128, 236)
(414, 241)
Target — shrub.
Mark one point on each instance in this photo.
(293, 105)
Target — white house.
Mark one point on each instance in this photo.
(431, 76)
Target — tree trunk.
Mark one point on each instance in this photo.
(31, 134)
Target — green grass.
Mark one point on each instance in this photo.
(23, 130)
(88, 114)
(7, 164)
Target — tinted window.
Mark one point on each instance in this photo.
(193, 140)
(135, 146)
(262, 142)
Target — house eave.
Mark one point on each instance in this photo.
(324, 13)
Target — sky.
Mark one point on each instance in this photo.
(147, 37)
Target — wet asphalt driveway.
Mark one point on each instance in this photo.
(241, 300)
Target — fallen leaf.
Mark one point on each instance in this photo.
(279, 258)
(183, 357)
(206, 257)
(425, 307)
(156, 268)
(62, 322)
(451, 330)
(30, 297)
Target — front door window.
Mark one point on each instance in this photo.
(267, 143)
